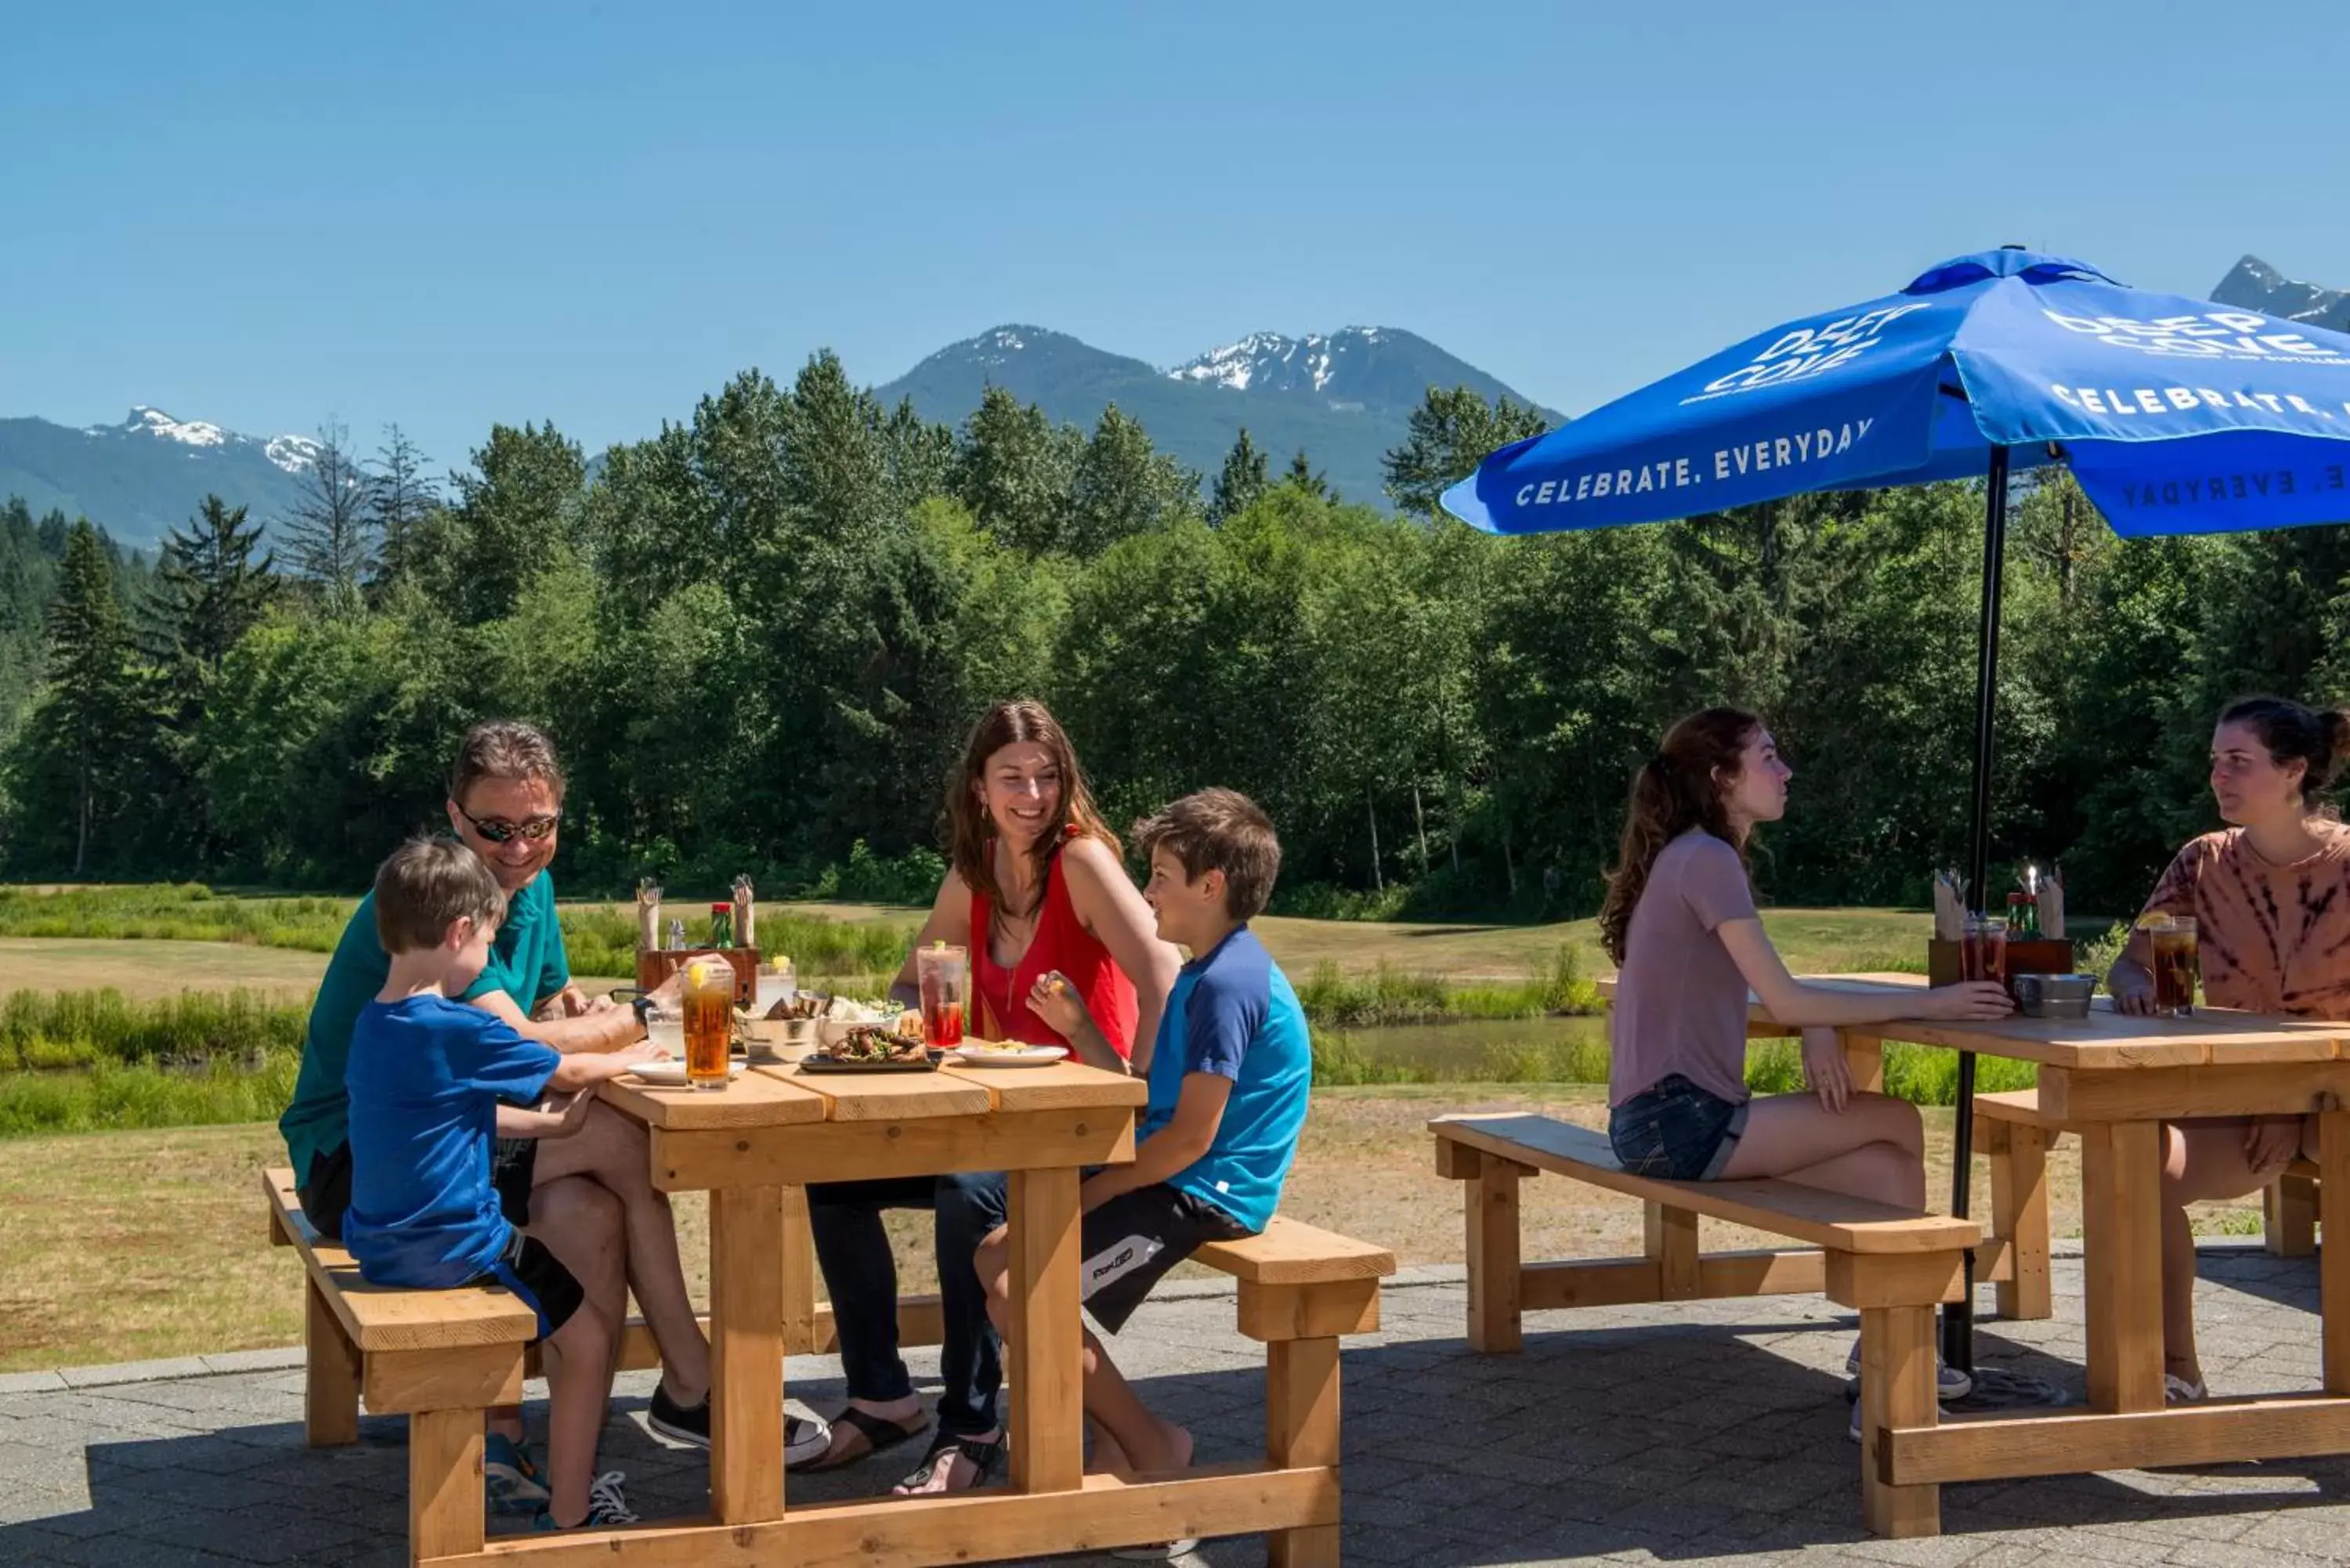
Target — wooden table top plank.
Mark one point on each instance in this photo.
(1061, 1085)
(2105, 1041)
(753, 1099)
(887, 1097)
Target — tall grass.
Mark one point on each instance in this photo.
(174, 912)
(110, 1099)
(1334, 999)
(44, 1031)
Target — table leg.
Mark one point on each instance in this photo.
(1045, 1341)
(2333, 1259)
(2121, 1188)
(1864, 1054)
(746, 1353)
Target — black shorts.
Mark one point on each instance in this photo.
(514, 1163)
(1134, 1238)
(538, 1277)
(327, 1195)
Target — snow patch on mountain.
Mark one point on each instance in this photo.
(1276, 362)
(291, 453)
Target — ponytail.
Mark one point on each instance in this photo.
(1678, 789)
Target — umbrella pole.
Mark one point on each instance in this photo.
(1959, 1317)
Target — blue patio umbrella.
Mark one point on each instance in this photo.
(2177, 415)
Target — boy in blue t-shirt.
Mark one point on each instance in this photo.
(1230, 1074)
(426, 1078)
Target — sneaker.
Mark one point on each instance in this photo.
(510, 1475)
(804, 1439)
(1164, 1552)
(2177, 1390)
(679, 1423)
(606, 1506)
(1949, 1382)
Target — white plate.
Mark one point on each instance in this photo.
(672, 1073)
(1026, 1057)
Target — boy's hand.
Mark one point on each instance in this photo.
(1056, 1001)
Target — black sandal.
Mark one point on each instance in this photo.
(984, 1457)
(878, 1434)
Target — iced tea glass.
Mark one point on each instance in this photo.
(943, 973)
(708, 1000)
(1982, 953)
(2174, 966)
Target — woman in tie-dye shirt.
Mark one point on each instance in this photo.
(2271, 900)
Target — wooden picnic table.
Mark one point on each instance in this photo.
(2116, 1079)
(775, 1128)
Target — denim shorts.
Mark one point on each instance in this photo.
(1677, 1131)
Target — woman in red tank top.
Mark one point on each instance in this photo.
(1036, 890)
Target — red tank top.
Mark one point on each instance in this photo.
(1061, 942)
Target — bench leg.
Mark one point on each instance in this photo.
(1496, 1312)
(1897, 1389)
(2289, 1210)
(330, 1392)
(1669, 1236)
(2019, 1216)
(444, 1484)
(1301, 1429)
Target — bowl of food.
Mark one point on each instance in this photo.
(784, 1030)
(2054, 995)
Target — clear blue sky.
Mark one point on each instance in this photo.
(450, 215)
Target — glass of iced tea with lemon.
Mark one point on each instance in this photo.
(708, 1002)
(2174, 964)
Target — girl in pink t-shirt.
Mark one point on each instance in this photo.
(1679, 922)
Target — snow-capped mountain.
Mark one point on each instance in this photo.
(1345, 398)
(2256, 285)
(149, 472)
(294, 453)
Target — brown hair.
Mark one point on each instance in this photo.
(2318, 739)
(1219, 830)
(425, 885)
(505, 749)
(970, 831)
(1678, 789)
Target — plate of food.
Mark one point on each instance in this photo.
(1007, 1054)
(874, 1048)
(670, 1074)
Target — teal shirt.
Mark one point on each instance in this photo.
(527, 962)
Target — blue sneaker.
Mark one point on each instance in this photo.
(511, 1476)
(606, 1506)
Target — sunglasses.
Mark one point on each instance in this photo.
(497, 831)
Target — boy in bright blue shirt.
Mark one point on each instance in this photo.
(1230, 1074)
(427, 1076)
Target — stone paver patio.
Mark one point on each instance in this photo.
(1709, 1433)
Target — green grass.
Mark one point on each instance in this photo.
(47, 1031)
(1391, 994)
(106, 1097)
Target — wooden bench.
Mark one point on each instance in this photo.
(1894, 1265)
(442, 1358)
(2015, 1134)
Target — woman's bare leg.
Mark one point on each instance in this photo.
(1874, 1148)
(2201, 1161)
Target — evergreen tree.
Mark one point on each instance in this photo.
(79, 751)
(1450, 433)
(1304, 477)
(210, 590)
(402, 504)
(330, 535)
(1242, 480)
(1015, 470)
(522, 500)
(1122, 487)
